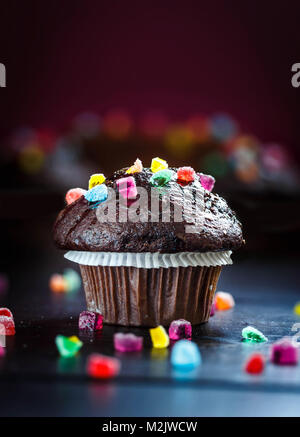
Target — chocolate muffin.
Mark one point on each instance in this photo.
(151, 243)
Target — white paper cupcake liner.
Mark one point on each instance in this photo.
(150, 260)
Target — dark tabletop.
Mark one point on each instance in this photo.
(35, 381)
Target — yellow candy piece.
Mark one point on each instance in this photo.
(158, 164)
(137, 167)
(96, 179)
(297, 309)
(75, 339)
(159, 337)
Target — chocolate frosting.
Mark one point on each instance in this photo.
(78, 228)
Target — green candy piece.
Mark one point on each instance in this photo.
(161, 178)
(253, 335)
(72, 279)
(66, 347)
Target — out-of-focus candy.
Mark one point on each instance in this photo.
(90, 321)
(117, 124)
(87, 124)
(253, 335)
(127, 342)
(180, 329)
(159, 337)
(223, 127)
(7, 322)
(199, 127)
(297, 309)
(213, 309)
(255, 364)
(96, 179)
(284, 352)
(224, 301)
(58, 284)
(186, 174)
(137, 167)
(185, 355)
(179, 140)
(161, 177)
(74, 194)
(154, 124)
(2, 351)
(4, 283)
(97, 194)
(215, 163)
(274, 157)
(72, 279)
(68, 346)
(207, 181)
(127, 187)
(102, 367)
(31, 159)
(158, 164)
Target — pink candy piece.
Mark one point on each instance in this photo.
(127, 342)
(213, 309)
(90, 321)
(180, 329)
(207, 181)
(74, 194)
(7, 325)
(127, 187)
(284, 352)
(2, 351)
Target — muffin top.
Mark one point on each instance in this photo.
(157, 209)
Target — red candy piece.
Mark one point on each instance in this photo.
(8, 324)
(186, 174)
(255, 364)
(6, 312)
(74, 194)
(102, 367)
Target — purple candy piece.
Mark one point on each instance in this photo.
(213, 309)
(180, 329)
(284, 352)
(90, 321)
(127, 342)
(207, 181)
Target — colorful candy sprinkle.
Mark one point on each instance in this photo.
(58, 284)
(224, 301)
(207, 181)
(90, 321)
(253, 335)
(159, 337)
(68, 346)
(7, 322)
(97, 194)
(158, 164)
(255, 364)
(186, 174)
(103, 367)
(74, 194)
(137, 167)
(127, 342)
(127, 187)
(161, 178)
(180, 329)
(96, 179)
(284, 352)
(185, 355)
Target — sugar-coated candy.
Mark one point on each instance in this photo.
(255, 364)
(73, 279)
(207, 181)
(224, 301)
(161, 177)
(2, 351)
(185, 355)
(127, 187)
(90, 321)
(137, 167)
(74, 194)
(6, 312)
(68, 346)
(186, 174)
(297, 309)
(7, 325)
(127, 342)
(97, 194)
(159, 337)
(180, 329)
(158, 164)
(284, 352)
(212, 309)
(58, 284)
(96, 179)
(253, 335)
(102, 367)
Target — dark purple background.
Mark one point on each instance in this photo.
(63, 57)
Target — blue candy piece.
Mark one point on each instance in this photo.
(97, 194)
(185, 355)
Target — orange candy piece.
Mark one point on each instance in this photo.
(224, 301)
(58, 284)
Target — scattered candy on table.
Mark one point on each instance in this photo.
(185, 355)
(159, 337)
(97, 194)
(7, 322)
(253, 335)
(96, 179)
(180, 329)
(158, 164)
(73, 280)
(297, 309)
(284, 352)
(224, 301)
(102, 367)
(90, 321)
(127, 187)
(255, 364)
(74, 194)
(207, 181)
(161, 177)
(68, 346)
(127, 342)
(186, 174)
(137, 167)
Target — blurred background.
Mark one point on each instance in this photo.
(93, 85)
